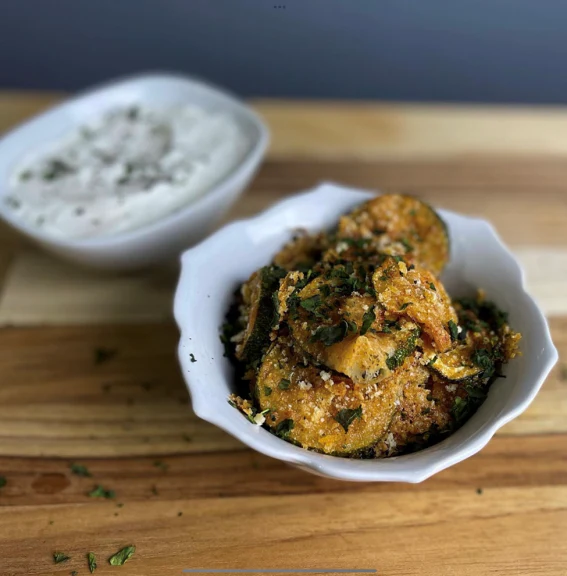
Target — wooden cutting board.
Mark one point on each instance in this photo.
(193, 497)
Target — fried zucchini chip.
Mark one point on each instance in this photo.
(416, 293)
(345, 332)
(323, 410)
(260, 306)
(302, 252)
(418, 231)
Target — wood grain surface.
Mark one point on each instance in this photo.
(189, 495)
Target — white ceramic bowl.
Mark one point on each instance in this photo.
(212, 270)
(168, 236)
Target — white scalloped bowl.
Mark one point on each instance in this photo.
(212, 270)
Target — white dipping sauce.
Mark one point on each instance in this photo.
(127, 169)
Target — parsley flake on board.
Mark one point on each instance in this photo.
(102, 355)
(122, 556)
(285, 427)
(80, 470)
(453, 330)
(100, 492)
(346, 416)
(59, 557)
(91, 558)
(160, 464)
(3, 481)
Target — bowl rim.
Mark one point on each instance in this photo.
(332, 466)
(210, 197)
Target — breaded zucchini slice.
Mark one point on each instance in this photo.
(425, 414)
(484, 341)
(322, 410)
(419, 231)
(416, 293)
(346, 332)
(302, 252)
(260, 303)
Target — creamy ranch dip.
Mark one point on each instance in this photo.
(126, 169)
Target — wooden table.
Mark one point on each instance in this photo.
(188, 495)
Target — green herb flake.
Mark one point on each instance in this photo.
(59, 557)
(122, 556)
(346, 416)
(479, 491)
(483, 359)
(405, 305)
(154, 490)
(367, 321)
(453, 330)
(330, 335)
(100, 492)
(192, 357)
(352, 327)
(187, 438)
(3, 481)
(91, 559)
(80, 470)
(311, 304)
(267, 391)
(459, 409)
(284, 384)
(406, 244)
(432, 286)
(102, 355)
(162, 465)
(74, 573)
(285, 427)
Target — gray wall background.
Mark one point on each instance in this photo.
(447, 50)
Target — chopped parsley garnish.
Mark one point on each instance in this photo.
(459, 409)
(102, 355)
(285, 427)
(483, 359)
(453, 330)
(80, 470)
(330, 335)
(267, 391)
(57, 168)
(192, 357)
(284, 384)
(406, 244)
(59, 557)
(397, 358)
(122, 556)
(311, 304)
(347, 416)
(91, 558)
(405, 305)
(100, 492)
(432, 286)
(367, 321)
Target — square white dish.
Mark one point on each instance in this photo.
(478, 259)
(168, 236)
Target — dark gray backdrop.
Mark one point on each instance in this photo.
(475, 50)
